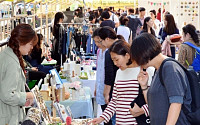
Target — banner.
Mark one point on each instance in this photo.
(157, 3)
(27, 1)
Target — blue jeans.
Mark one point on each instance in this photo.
(114, 119)
(173, 52)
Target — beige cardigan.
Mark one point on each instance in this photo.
(186, 53)
(12, 89)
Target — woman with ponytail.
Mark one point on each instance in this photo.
(186, 53)
(12, 75)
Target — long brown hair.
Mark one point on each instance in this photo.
(21, 35)
(170, 28)
(38, 45)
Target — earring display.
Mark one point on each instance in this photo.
(41, 105)
(190, 7)
(188, 11)
(61, 111)
(33, 115)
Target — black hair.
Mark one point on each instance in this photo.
(80, 14)
(136, 11)
(108, 32)
(111, 8)
(120, 37)
(37, 47)
(91, 17)
(100, 11)
(68, 9)
(96, 33)
(131, 10)
(118, 14)
(145, 29)
(144, 48)
(96, 14)
(170, 28)
(121, 47)
(142, 9)
(58, 16)
(154, 12)
(167, 12)
(106, 9)
(105, 15)
(101, 19)
(159, 10)
(123, 20)
(189, 28)
(40, 38)
(91, 12)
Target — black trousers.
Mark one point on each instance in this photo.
(103, 107)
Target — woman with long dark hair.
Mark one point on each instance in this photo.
(169, 29)
(36, 56)
(57, 43)
(147, 26)
(58, 19)
(186, 53)
(12, 75)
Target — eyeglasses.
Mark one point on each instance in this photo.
(100, 41)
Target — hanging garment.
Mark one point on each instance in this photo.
(94, 48)
(89, 43)
(84, 41)
(77, 38)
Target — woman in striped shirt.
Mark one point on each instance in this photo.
(126, 88)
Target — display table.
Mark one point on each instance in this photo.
(91, 84)
(81, 107)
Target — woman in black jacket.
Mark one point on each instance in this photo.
(57, 43)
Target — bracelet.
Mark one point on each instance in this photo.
(145, 88)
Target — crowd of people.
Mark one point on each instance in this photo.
(131, 51)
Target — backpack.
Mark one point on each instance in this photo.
(133, 24)
(196, 61)
(193, 116)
